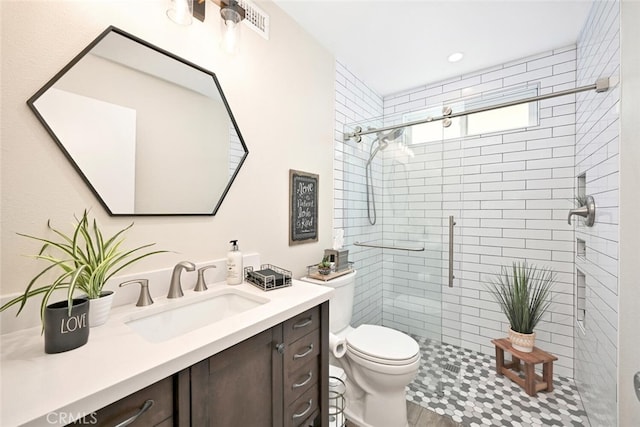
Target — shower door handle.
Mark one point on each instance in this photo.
(451, 276)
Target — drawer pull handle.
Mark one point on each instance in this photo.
(306, 353)
(303, 413)
(303, 324)
(147, 405)
(305, 382)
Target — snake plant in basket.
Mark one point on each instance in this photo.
(85, 261)
(524, 295)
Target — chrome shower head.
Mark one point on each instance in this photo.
(393, 135)
(383, 141)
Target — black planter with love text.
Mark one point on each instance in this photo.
(64, 332)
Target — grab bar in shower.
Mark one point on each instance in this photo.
(398, 248)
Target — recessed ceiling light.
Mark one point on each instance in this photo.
(455, 57)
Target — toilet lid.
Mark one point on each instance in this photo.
(378, 343)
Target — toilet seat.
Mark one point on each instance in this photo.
(382, 361)
(382, 345)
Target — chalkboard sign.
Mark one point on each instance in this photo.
(303, 207)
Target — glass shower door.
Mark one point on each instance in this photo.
(404, 265)
(413, 218)
(446, 351)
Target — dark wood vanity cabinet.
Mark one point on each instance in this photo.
(235, 387)
(158, 405)
(276, 378)
(279, 377)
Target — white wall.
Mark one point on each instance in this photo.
(281, 92)
(597, 156)
(629, 338)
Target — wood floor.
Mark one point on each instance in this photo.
(421, 417)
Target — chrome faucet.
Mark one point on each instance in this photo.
(201, 284)
(175, 289)
(144, 298)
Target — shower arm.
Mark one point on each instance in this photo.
(601, 85)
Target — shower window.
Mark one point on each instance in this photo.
(517, 116)
(498, 120)
(501, 119)
(433, 131)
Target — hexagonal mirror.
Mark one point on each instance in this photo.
(150, 133)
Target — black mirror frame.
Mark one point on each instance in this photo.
(85, 51)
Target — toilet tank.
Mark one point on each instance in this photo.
(341, 303)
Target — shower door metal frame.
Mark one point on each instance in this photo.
(601, 85)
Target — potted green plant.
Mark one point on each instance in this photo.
(85, 261)
(324, 267)
(524, 295)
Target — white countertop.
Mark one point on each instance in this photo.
(47, 389)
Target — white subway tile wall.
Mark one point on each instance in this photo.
(236, 151)
(356, 102)
(597, 130)
(510, 193)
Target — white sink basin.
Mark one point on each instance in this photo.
(179, 317)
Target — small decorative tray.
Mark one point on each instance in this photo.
(269, 277)
(314, 272)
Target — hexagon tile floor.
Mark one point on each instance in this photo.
(463, 385)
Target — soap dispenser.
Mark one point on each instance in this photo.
(234, 265)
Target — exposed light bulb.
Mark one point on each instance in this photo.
(230, 36)
(232, 14)
(180, 11)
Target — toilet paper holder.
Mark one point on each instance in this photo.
(337, 345)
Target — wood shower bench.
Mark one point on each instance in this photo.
(531, 383)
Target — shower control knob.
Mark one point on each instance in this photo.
(636, 384)
(280, 348)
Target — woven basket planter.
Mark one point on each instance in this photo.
(522, 342)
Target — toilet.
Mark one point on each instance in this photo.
(379, 362)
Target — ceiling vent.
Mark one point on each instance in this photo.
(255, 18)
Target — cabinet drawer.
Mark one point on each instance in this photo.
(301, 380)
(160, 412)
(301, 324)
(299, 411)
(302, 351)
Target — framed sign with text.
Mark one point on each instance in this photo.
(303, 207)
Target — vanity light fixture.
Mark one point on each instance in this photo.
(180, 11)
(231, 14)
